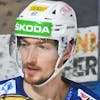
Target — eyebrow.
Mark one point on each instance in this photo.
(41, 41)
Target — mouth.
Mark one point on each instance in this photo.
(31, 71)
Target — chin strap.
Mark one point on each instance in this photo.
(58, 69)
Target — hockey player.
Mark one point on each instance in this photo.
(43, 44)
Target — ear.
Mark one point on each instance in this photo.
(67, 53)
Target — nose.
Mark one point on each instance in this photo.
(31, 55)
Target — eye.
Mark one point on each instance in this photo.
(43, 47)
(22, 44)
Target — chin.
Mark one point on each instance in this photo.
(34, 81)
(31, 80)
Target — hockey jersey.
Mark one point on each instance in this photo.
(12, 89)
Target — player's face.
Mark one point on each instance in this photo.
(39, 58)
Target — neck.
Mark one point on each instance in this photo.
(48, 91)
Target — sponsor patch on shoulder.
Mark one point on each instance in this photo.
(8, 87)
(84, 96)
